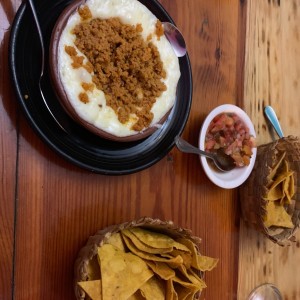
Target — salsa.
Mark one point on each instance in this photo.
(230, 134)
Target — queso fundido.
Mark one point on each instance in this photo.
(118, 71)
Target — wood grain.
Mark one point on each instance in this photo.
(272, 69)
(8, 150)
(59, 205)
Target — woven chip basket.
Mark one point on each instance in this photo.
(253, 190)
(89, 251)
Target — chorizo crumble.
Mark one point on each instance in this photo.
(159, 29)
(83, 97)
(84, 13)
(87, 86)
(125, 67)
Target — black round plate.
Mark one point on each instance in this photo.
(77, 144)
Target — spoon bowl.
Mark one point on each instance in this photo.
(222, 161)
(175, 38)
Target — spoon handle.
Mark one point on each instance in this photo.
(38, 27)
(184, 146)
(271, 115)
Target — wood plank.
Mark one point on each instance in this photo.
(211, 29)
(66, 205)
(8, 150)
(272, 69)
(60, 205)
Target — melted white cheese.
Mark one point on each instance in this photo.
(96, 111)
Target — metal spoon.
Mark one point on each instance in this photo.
(271, 115)
(265, 291)
(38, 27)
(222, 161)
(175, 38)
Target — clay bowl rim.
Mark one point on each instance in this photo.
(62, 96)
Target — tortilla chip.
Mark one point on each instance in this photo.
(275, 168)
(192, 277)
(183, 293)
(144, 247)
(122, 273)
(281, 177)
(277, 216)
(289, 190)
(275, 193)
(189, 244)
(161, 269)
(200, 262)
(188, 285)
(281, 189)
(173, 262)
(186, 256)
(205, 263)
(156, 240)
(193, 274)
(153, 289)
(286, 199)
(137, 296)
(116, 240)
(276, 189)
(292, 186)
(92, 288)
(170, 291)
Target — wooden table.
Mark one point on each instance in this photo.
(48, 207)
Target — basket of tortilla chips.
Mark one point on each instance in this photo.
(143, 259)
(270, 198)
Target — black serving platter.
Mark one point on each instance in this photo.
(75, 143)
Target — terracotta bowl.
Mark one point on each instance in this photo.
(60, 91)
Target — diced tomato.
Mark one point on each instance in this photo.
(246, 159)
(209, 144)
(222, 141)
(228, 132)
(247, 150)
(229, 121)
(238, 159)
